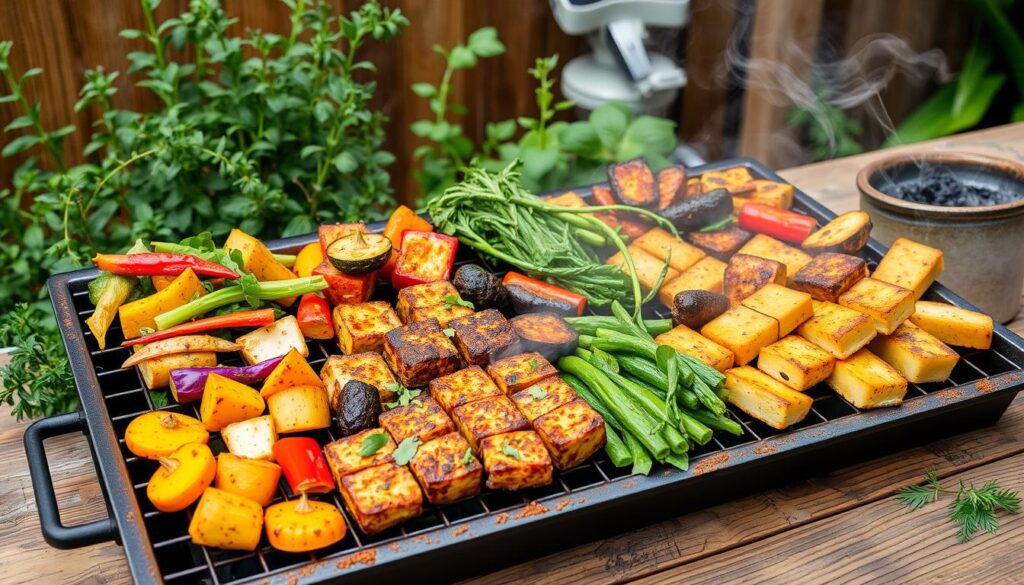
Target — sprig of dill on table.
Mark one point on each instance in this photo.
(973, 510)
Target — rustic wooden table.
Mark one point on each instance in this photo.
(841, 527)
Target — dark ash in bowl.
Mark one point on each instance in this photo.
(935, 187)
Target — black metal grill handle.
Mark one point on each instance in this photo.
(54, 532)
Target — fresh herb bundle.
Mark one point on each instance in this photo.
(973, 510)
(37, 382)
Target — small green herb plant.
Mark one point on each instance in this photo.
(973, 509)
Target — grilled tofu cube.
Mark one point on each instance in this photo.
(367, 367)
(954, 325)
(772, 194)
(736, 180)
(446, 469)
(660, 243)
(866, 381)
(828, 276)
(444, 313)
(837, 329)
(721, 244)
(481, 337)
(742, 331)
(648, 267)
(796, 362)
(343, 455)
(462, 387)
(382, 496)
(772, 249)
(489, 416)
(274, 340)
(765, 398)
(745, 275)
(420, 352)
(423, 295)
(361, 327)
(516, 461)
(251, 439)
(542, 398)
(916, 354)
(572, 432)
(422, 418)
(686, 340)
(707, 274)
(887, 304)
(910, 265)
(518, 372)
(788, 307)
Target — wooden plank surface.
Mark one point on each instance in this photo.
(842, 526)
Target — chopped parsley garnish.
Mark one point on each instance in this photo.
(511, 451)
(406, 450)
(372, 443)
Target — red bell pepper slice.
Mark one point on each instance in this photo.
(425, 257)
(345, 289)
(314, 315)
(401, 219)
(304, 465)
(529, 295)
(778, 223)
(255, 318)
(160, 264)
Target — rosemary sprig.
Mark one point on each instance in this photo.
(973, 510)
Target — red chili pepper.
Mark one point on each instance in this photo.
(304, 465)
(314, 315)
(425, 257)
(529, 295)
(160, 264)
(775, 222)
(255, 318)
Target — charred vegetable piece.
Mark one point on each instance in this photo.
(359, 253)
(425, 257)
(330, 232)
(529, 295)
(314, 315)
(420, 352)
(629, 227)
(182, 344)
(777, 223)
(401, 220)
(721, 244)
(251, 478)
(671, 185)
(158, 264)
(108, 292)
(258, 260)
(300, 408)
(484, 336)
(845, 234)
(156, 373)
(182, 477)
(226, 520)
(693, 213)
(696, 308)
(255, 318)
(307, 259)
(301, 525)
(226, 401)
(141, 313)
(304, 465)
(292, 370)
(423, 418)
(633, 183)
(357, 407)
(829, 275)
(746, 274)
(480, 287)
(545, 333)
(157, 434)
(187, 383)
(345, 289)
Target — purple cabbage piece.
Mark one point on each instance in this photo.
(187, 383)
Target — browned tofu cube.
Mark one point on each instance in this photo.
(382, 496)
(422, 418)
(687, 341)
(542, 398)
(707, 274)
(490, 416)
(444, 313)
(423, 295)
(462, 387)
(888, 305)
(518, 372)
(737, 180)
(481, 337)
(420, 352)
(742, 331)
(796, 362)
(829, 275)
(648, 266)
(362, 327)
(343, 455)
(367, 367)
(572, 432)
(516, 461)
(772, 194)
(746, 274)
(661, 244)
(772, 249)
(446, 469)
(721, 244)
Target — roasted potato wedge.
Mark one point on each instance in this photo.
(745, 275)
(888, 304)
(954, 325)
(765, 398)
(866, 381)
(721, 244)
(788, 307)
(910, 265)
(916, 354)
(796, 362)
(837, 329)
(687, 341)
(845, 234)
(829, 275)
(633, 183)
(742, 331)
(671, 185)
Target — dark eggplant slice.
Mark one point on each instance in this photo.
(633, 183)
(700, 210)
(480, 287)
(359, 253)
(696, 308)
(671, 185)
(356, 407)
(721, 244)
(545, 333)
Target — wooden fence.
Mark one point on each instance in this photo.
(716, 114)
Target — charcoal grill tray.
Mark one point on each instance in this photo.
(496, 529)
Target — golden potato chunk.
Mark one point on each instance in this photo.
(543, 397)
(736, 180)
(462, 387)
(446, 469)
(572, 433)
(916, 354)
(343, 455)
(795, 362)
(866, 381)
(707, 274)
(771, 193)
(367, 367)
(828, 276)
(481, 337)
(721, 244)
(687, 341)
(518, 372)
(660, 243)
(742, 331)
(772, 249)
(361, 327)
(516, 461)
(382, 496)
(419, 352)
(887, 304)
(422, 418)
(423, 295)
(765, 398)
(648, 267)
(837, 329)
(910, 265)
(788, 307)
(486, 417)
(954, 325)
(745, 275)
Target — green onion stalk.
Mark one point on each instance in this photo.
(247, 289)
